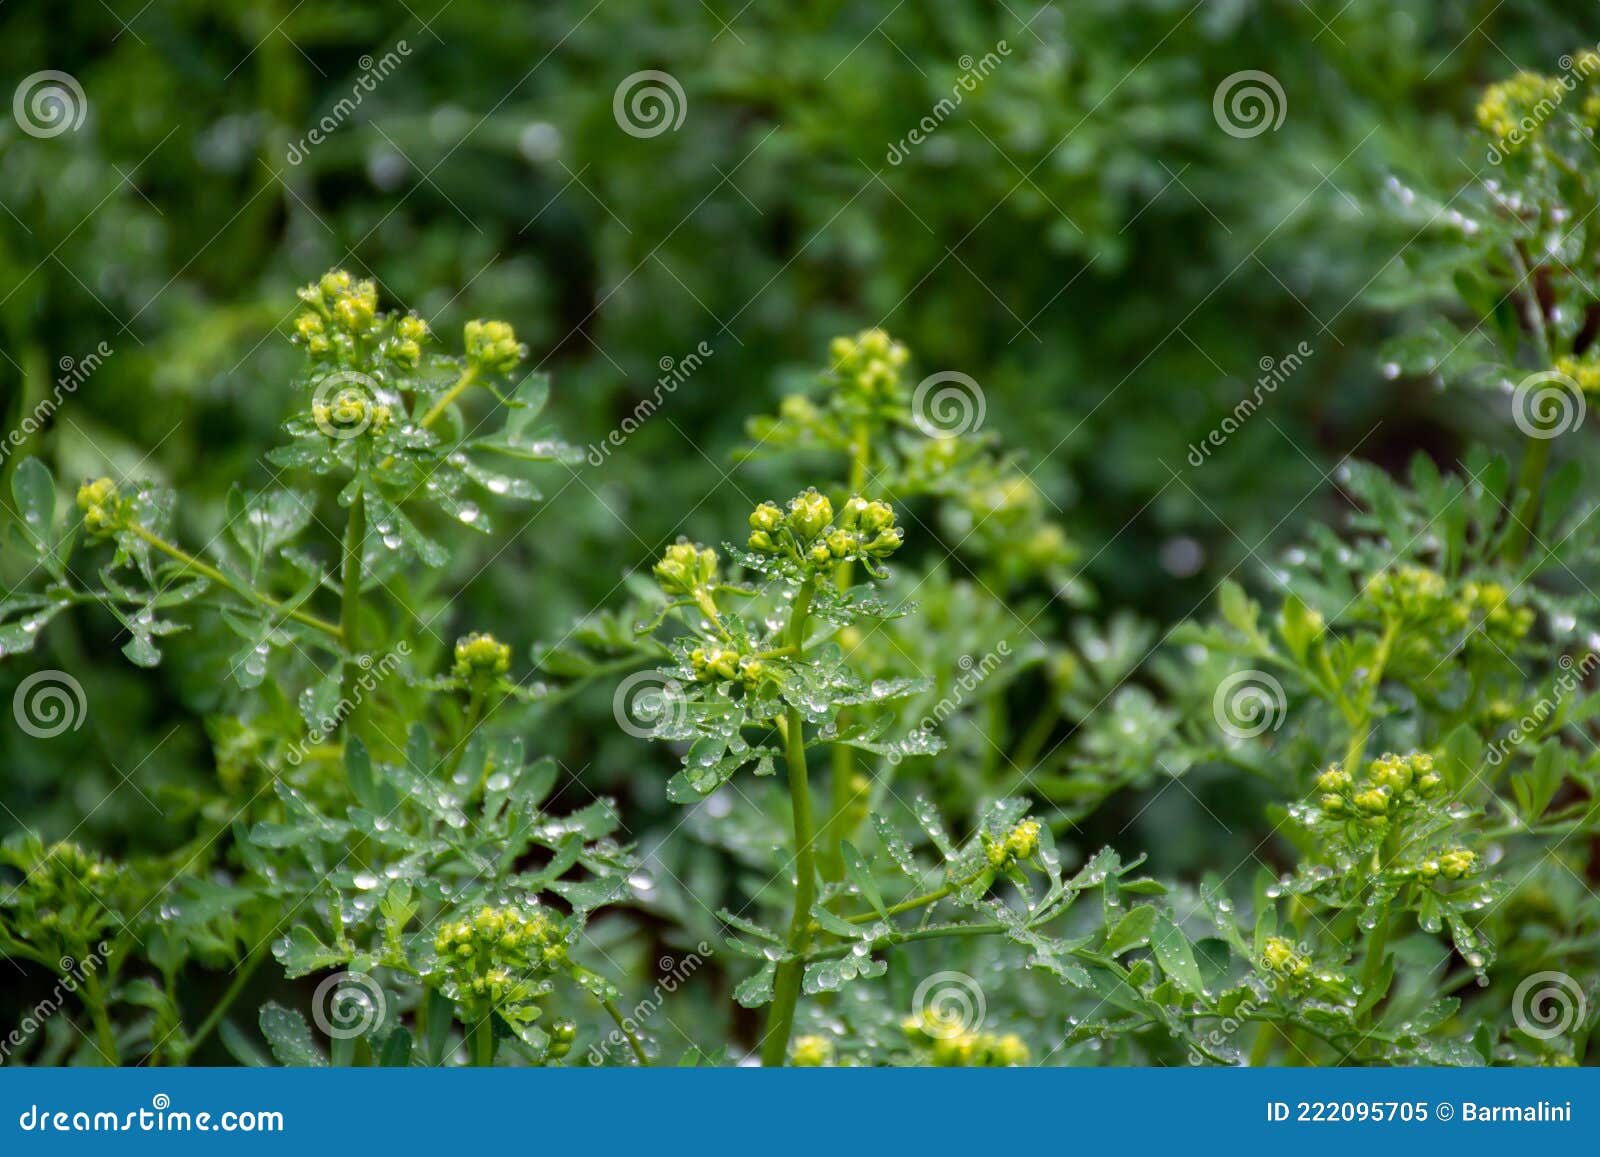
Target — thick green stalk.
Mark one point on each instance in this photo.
(786, 985)
(480, 1042)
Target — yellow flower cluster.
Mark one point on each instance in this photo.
(953, 1047)
(811, 1052)
(1513, 109)
(1281, 956)
(1020, 843)
(811, 532)
(1392, 781)
(481, 656)
(493, 956)
(868, 364)
(712, 664)
(492, 347)
(341, 320)
(350, 411)
(687, 569)
(1452, 864)
(104, 509)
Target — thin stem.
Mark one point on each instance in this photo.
(249, 594)
(786, 985)
(622, 1025)
(468, 376)
(1261, 1048)
(355, 541)
(241, 977)
(1530, 483)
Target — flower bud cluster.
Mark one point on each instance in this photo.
(810, 532)
(868, 364)
(1393, 783)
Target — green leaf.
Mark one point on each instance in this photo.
(1176, 956)
(861, 876)
(35, 493)
(290, 1037)
(1132, 931)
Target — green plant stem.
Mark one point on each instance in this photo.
(842, 768)
(1530, 484)
(480, 1042)
(94, 999)
(351, 589)
(1362, 731)
(622, 1025)
(1261, 1047)
(468, 376)
(249, 594)
(786, 984)
(241, 977)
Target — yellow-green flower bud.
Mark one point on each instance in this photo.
(492, 346)
(481, 656)
(1334, 779)
(686, 569)
(1457, 862)
(766, 517)
(1374, 801)
(1022, 842)
(810, 514)
(1280, 956)
(104, 509)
